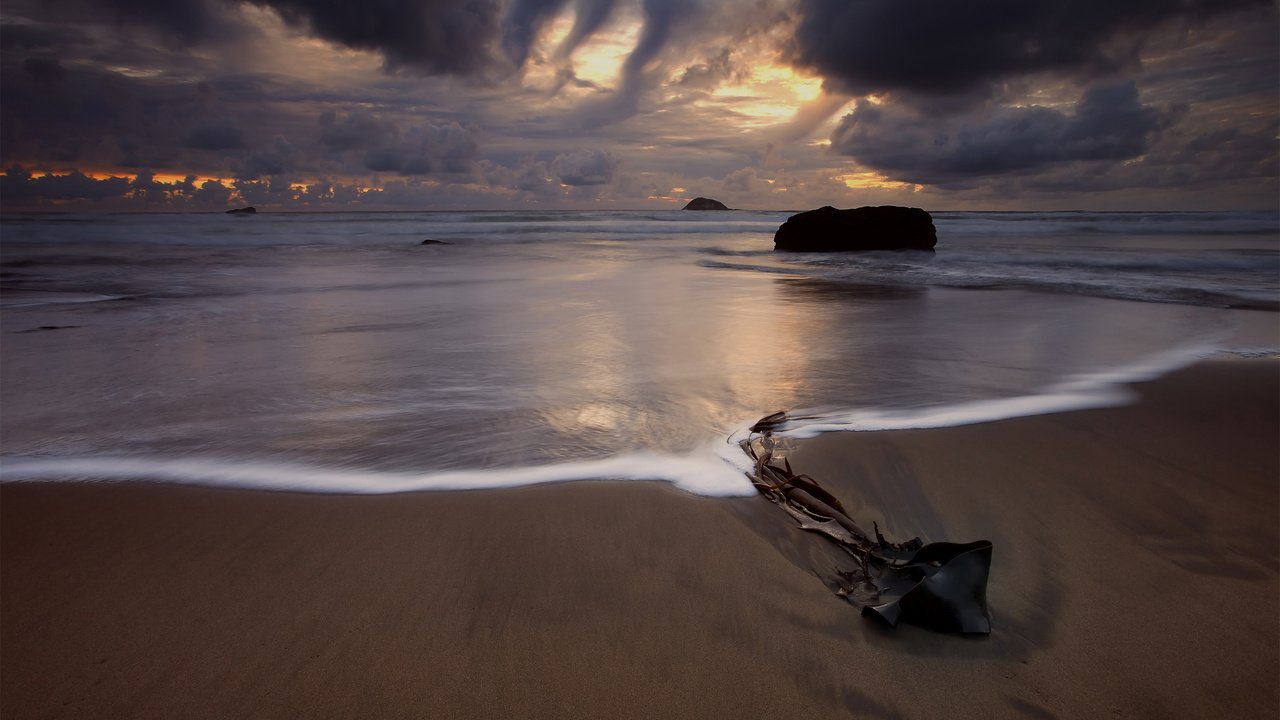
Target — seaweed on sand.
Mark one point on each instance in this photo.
(941, 586)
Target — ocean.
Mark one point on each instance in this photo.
(334, 352)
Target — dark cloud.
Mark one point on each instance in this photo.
(435, 37)
(78, 113)
(1198, 154)
(271, 191)
(356, 130)
(188, 20)
(18, 185)
(177, 22)
(1108, 123)
(44, 69)
(1196, 164)
(431, 37)
(589, 16)
(421, 150)
(584, 167)
(51, 112)
(424, 150)
(273, 159)
(212, 193)
(521, 25)
(214, 133)
(1230, 58)
(22, 188)
(662, 19)
(147, 189)
(28, 36)
(942, 47)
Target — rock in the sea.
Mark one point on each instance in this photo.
(886, 227)
(243, 211)
(701, 203)
(429, 241)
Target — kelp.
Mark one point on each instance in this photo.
(941, 586)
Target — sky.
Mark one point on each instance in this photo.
(157, 105)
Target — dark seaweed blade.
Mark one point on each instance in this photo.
(941, 586)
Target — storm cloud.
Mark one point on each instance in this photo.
(189, 22)
(523, 21)
(440, 37)
(1108, 123)
(19, 184)
(662, 20)
(215, 133)
(423, 150)
(571, 103)
(941, 47)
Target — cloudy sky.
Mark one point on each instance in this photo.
(767, 104)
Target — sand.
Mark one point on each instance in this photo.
(1136, 574)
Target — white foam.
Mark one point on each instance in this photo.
(18, 299)
(711, 472)
(1082, 392)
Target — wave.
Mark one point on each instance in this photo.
(1106, 223)
(1240, 278)
(718, 469)
(712, 472)
(10, 298)
(1082, 392)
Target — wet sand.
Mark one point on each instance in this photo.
(1136, 574)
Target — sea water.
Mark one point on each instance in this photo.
(333, 352)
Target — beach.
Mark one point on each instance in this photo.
(639, 359)
(1135, 575)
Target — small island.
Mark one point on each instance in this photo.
(701, 203)
(243, 211)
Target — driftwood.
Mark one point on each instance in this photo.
(941, 586)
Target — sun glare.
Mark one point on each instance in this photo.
(599, 59)
(802, 88)
(769, 95)
(868, 180)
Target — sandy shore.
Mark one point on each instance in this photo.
(1136, 575)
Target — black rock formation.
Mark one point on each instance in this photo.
(886, 227)
(701, 203)
(242, 211)
(429, 241)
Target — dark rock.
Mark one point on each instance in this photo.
(701, 203)
(429, 241)
(887, 227)
(242, 211)
(44, 328)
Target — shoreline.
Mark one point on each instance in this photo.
(714, 470)
(1137, 551)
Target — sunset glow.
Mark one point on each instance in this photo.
(543, 103)
(873, 180)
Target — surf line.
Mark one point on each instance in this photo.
(941, 586)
